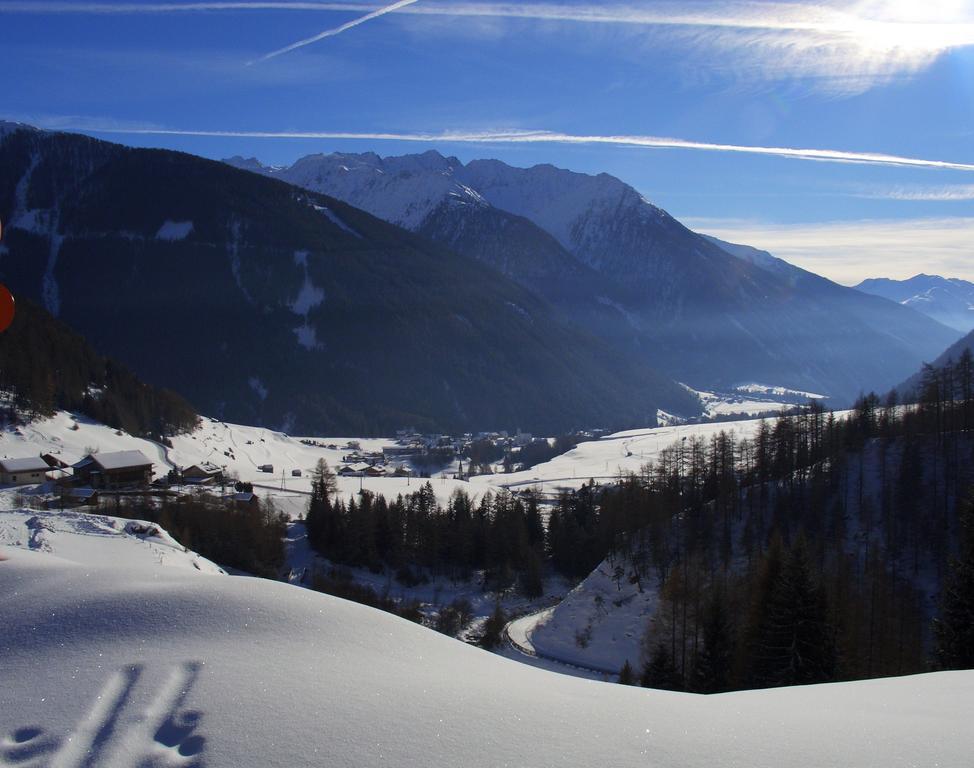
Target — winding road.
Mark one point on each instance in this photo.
(517, 634)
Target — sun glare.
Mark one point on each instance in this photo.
(933, 26)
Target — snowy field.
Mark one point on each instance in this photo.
(138, 662)
(242, 450)
(606, 459)
(86, 538)
(751, 400)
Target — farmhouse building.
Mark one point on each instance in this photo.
(27, 471)
(203, 474)
(119, 469)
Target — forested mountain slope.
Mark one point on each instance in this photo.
(635, 276)
(831, 538)
(45, 366)
(268, 305)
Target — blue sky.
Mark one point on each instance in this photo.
(692, 87)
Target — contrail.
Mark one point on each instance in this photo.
(84, 8)
(549, 137)
(336, 30)
(883, 32)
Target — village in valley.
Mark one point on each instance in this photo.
(238, 465)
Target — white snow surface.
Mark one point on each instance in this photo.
(606, 459)
(747, 400)
(239, 449)
(174, 230)
(402, 190)
(777, 391)
(114, 664)
(309, 297)
(89, 539)
(406, 190)
(334, 219)
(600, 624)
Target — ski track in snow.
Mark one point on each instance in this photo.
(116, 731)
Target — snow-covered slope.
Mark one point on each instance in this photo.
(240, 450)
(406, 190)
(70, 437)
(402, 190)
(88, 539)
(752, 400)
(119, 666)
(948, 300)
(606, 459)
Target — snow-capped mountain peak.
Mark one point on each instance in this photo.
(577, 209)
(949, 300)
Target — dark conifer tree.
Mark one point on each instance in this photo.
(626, 675)
(796, 646)
(712, 667)
(660, 672)
(494, 628)
(954, 628)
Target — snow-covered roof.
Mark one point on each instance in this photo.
(204, 467)
(116, 460)
(29, 464)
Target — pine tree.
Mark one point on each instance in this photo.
(796, 646)
(712, 668)
(954, 628)
(626, 675)
(318, 520)
(660, 672)
(494, 628)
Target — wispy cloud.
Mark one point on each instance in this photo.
(916, 193)
(336, 30)
(848, 46)
(851, 251)
(550, 137)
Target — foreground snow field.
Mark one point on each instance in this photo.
(84, 538)
(139, 665)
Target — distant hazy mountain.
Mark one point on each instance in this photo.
(267, 304)
(953, 353)
(630, 273)
(948, 300)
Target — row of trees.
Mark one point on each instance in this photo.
(501, 535)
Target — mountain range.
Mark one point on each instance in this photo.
(266, 304)
(947, 300)
(710, 314)
(351, 293)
